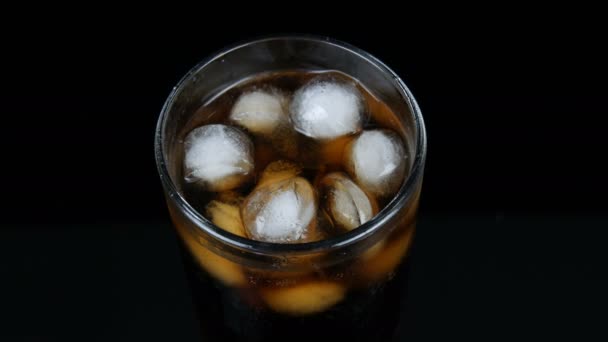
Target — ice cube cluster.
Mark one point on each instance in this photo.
(282, 205)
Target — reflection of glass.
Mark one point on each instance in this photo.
(350, 285)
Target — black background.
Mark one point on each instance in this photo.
(513, 214)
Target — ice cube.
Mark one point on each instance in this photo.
(230, 197)
(327, 109)
(346, 204)
(226, 216)
(277, 171)
(218, 157)
(305, 298)
(376, 159)
(386, 256)
(260, 111)
(282, 212)
(220, 268)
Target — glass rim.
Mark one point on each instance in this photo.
(278, 249)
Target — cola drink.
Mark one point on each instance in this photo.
(294, 195)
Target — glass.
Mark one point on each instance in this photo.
(351, 285)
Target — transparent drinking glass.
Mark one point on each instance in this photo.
(350, 286)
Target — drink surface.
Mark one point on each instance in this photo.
(294, 157)
(284, 138)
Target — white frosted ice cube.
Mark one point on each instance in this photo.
(376, 159)
(260, 111)
(217, 157)
(327, 110)
(282, 212)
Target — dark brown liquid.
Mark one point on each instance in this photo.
(371, 313)
(373, 284)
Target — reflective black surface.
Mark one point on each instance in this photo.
(474, 277)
